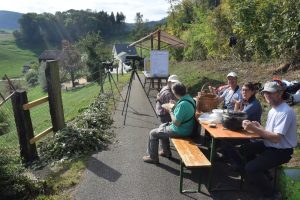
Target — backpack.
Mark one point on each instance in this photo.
(195, 127)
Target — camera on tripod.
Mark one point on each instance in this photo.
(131, 59)
(108, 65)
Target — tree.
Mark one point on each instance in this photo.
(139, 29)
(120, 18)
(71, 60)
(29, 29)
(97, 53)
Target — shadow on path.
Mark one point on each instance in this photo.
(102, 170)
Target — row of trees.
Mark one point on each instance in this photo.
(83, 58)
(263, 29)
(82, 36)
(50, 30)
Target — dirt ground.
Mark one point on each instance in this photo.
(81, 81)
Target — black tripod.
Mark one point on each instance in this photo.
(108, 68)
(134, 72)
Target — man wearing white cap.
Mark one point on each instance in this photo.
(232, 93)
(165, 96)
(279, 138)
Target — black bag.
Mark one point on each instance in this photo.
(195, 127)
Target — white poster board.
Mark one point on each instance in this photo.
(159, 63)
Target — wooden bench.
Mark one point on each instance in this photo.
(190, 157)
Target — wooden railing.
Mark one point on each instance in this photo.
(31, 105)
(34, 103)
(41, 135)
(22, 107)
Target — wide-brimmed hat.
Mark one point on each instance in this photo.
(173, 79)
(272, 87)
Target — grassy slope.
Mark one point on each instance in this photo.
(12, 58)
(74, 102)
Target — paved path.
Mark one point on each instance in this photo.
(120, 174)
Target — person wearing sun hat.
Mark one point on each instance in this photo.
(232, 93)
(279, 138)
(165, 96)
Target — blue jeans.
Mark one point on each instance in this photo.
(162, 134)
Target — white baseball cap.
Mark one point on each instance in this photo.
(232, 74)
(173, 79)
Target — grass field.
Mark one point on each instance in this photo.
(12, 58)
(74, 102)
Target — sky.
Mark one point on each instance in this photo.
(150, 9)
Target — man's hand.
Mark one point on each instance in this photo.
(237, 105)
(255, 127)
(250, 126)
(157, 97)
(257, 124)
(168, 107)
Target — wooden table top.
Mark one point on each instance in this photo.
(220, 132)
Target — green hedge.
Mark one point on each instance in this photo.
(289, 183)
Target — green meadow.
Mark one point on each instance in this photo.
(12, 57)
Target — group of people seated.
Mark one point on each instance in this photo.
(176, 109)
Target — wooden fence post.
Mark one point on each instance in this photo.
(24, 126)
(54, 94)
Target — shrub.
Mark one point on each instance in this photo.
(32, 77)
(42, 76)
(86, 133)
(3, 123)
(14, 185)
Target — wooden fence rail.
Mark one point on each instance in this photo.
(22, 107)
(41, 135)
(35, 103)
(7, 98)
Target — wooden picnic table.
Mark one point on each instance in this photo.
(148, 76)
(221, 133)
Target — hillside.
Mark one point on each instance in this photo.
(148, 24)
(12, 58)
(9, 20)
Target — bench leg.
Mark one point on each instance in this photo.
(212, 157)
(181, 181)
(199, 182)
(181, 176)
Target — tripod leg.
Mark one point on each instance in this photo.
(127, 103)
(117, 87)
(103, 81)
(145, 92)
(129, 86)
(111, 88)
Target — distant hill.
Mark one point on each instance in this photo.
(9, 20)
(150, 24)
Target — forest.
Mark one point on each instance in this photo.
(50, 29)
(258, 30)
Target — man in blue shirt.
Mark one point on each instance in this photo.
(182, 124)
(232, 93)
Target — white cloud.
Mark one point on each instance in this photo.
(151, 9)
